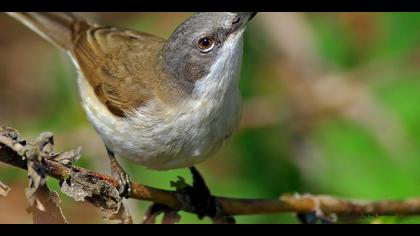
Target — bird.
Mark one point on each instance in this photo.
(160, 103)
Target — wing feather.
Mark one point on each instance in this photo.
(116, 63)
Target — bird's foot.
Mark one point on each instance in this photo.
(124, 183)
(200, 200)
(124, 189)
(196, 198)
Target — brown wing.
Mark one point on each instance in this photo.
(116, 63)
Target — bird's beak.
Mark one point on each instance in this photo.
(240, 20)
(251, 15)
(245, 16)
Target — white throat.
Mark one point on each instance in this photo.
(224, 73)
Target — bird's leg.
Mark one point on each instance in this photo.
(118, 172)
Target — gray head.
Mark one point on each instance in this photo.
(194, 46)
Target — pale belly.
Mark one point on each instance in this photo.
(161, 139)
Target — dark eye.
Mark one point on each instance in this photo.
(206, 44)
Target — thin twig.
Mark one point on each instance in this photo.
(326, 205)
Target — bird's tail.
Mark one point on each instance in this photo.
(59, 28)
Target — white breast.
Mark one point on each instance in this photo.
(161, 137)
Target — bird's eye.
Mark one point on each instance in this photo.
(206, 44)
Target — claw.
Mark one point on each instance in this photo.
(201, 200)
(124, 183)
(197, 197)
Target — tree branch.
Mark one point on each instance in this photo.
(102, 194)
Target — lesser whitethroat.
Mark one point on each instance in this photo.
(163, 104)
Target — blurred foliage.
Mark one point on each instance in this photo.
(259, 162)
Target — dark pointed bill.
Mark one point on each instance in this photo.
(241, 19)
